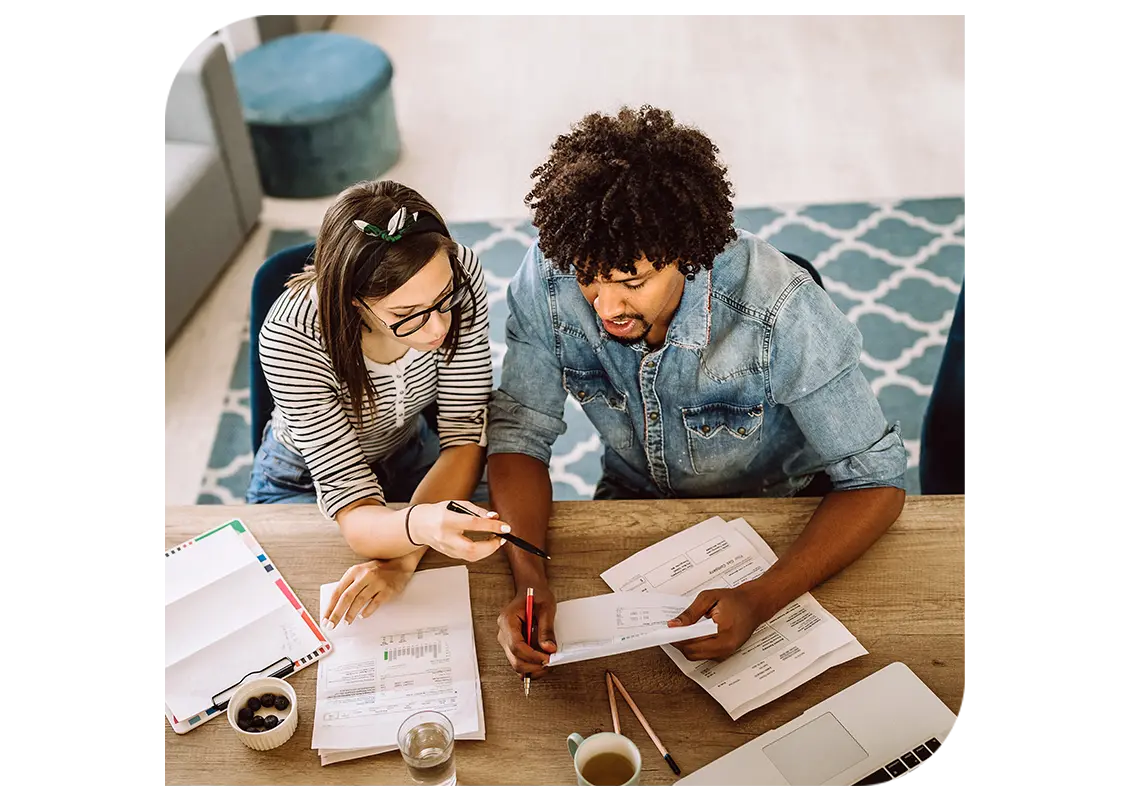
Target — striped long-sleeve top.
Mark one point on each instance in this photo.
(313, 415)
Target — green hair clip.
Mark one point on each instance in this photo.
(397, 226)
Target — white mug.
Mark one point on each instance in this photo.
(582, 749)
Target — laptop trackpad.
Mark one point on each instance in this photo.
(815, 752)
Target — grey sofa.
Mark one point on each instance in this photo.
(212, 192)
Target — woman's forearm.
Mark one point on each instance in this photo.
(375, 531)
(410, 561)
(454, 476)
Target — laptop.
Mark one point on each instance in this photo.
(871, 732)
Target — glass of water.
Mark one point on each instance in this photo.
(427, 742)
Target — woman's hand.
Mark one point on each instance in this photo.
(433, 525)
(364, 587)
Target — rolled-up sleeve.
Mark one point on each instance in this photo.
(814, 371)
(527, 410)
(465, 382)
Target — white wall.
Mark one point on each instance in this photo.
(239, 37)
(311, 22)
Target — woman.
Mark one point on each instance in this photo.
(390, 317)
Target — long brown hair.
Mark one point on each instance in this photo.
(341, 251)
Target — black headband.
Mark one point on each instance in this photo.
(398, 227)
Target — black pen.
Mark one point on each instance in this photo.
(514, 540)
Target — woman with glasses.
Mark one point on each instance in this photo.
(390, 318)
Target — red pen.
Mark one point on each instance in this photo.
(529, 632)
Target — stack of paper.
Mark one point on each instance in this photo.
(801, 641)
(414, 653)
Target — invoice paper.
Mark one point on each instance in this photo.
(608, 624)
(799, 642)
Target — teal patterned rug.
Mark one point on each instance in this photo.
(894, 268)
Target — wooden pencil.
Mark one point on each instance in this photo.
(612, 701)
(639, 715)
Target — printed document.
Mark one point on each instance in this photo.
(415, 653)
(607, 624)
(798, 643)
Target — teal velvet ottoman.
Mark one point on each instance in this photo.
(319, 108)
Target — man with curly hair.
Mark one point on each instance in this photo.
(710, 364)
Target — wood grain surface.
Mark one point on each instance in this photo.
(904, 600)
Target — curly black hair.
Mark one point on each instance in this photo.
(616, 188)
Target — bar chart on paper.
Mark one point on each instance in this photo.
(414, 654)
(428, 644)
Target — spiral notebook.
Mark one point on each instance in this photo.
(229, 617)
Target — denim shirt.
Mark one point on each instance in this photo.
(756, 387)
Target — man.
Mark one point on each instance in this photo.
(709, 363)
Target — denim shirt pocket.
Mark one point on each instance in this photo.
(604, 405)
(721, 437)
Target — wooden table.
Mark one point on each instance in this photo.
(904, 601)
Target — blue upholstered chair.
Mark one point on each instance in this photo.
(320, 111)
(941, 466)
(806, 265)
(270, 282)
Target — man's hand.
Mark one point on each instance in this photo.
(512, 632)
(737, 612)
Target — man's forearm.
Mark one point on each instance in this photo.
(842, 528)
(521, 493)
(454, 476)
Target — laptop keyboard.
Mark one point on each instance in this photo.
(906, 762)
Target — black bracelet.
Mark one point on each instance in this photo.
(407, 532)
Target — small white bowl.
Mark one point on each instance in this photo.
(288, 719)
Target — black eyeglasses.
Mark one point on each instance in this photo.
(413, 323)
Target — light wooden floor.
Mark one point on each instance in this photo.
(803, 109)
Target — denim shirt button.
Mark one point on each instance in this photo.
(653, 416)
(581, 395)
(741, 431)
(706, 429)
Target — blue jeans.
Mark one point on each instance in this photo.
(279, 475)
